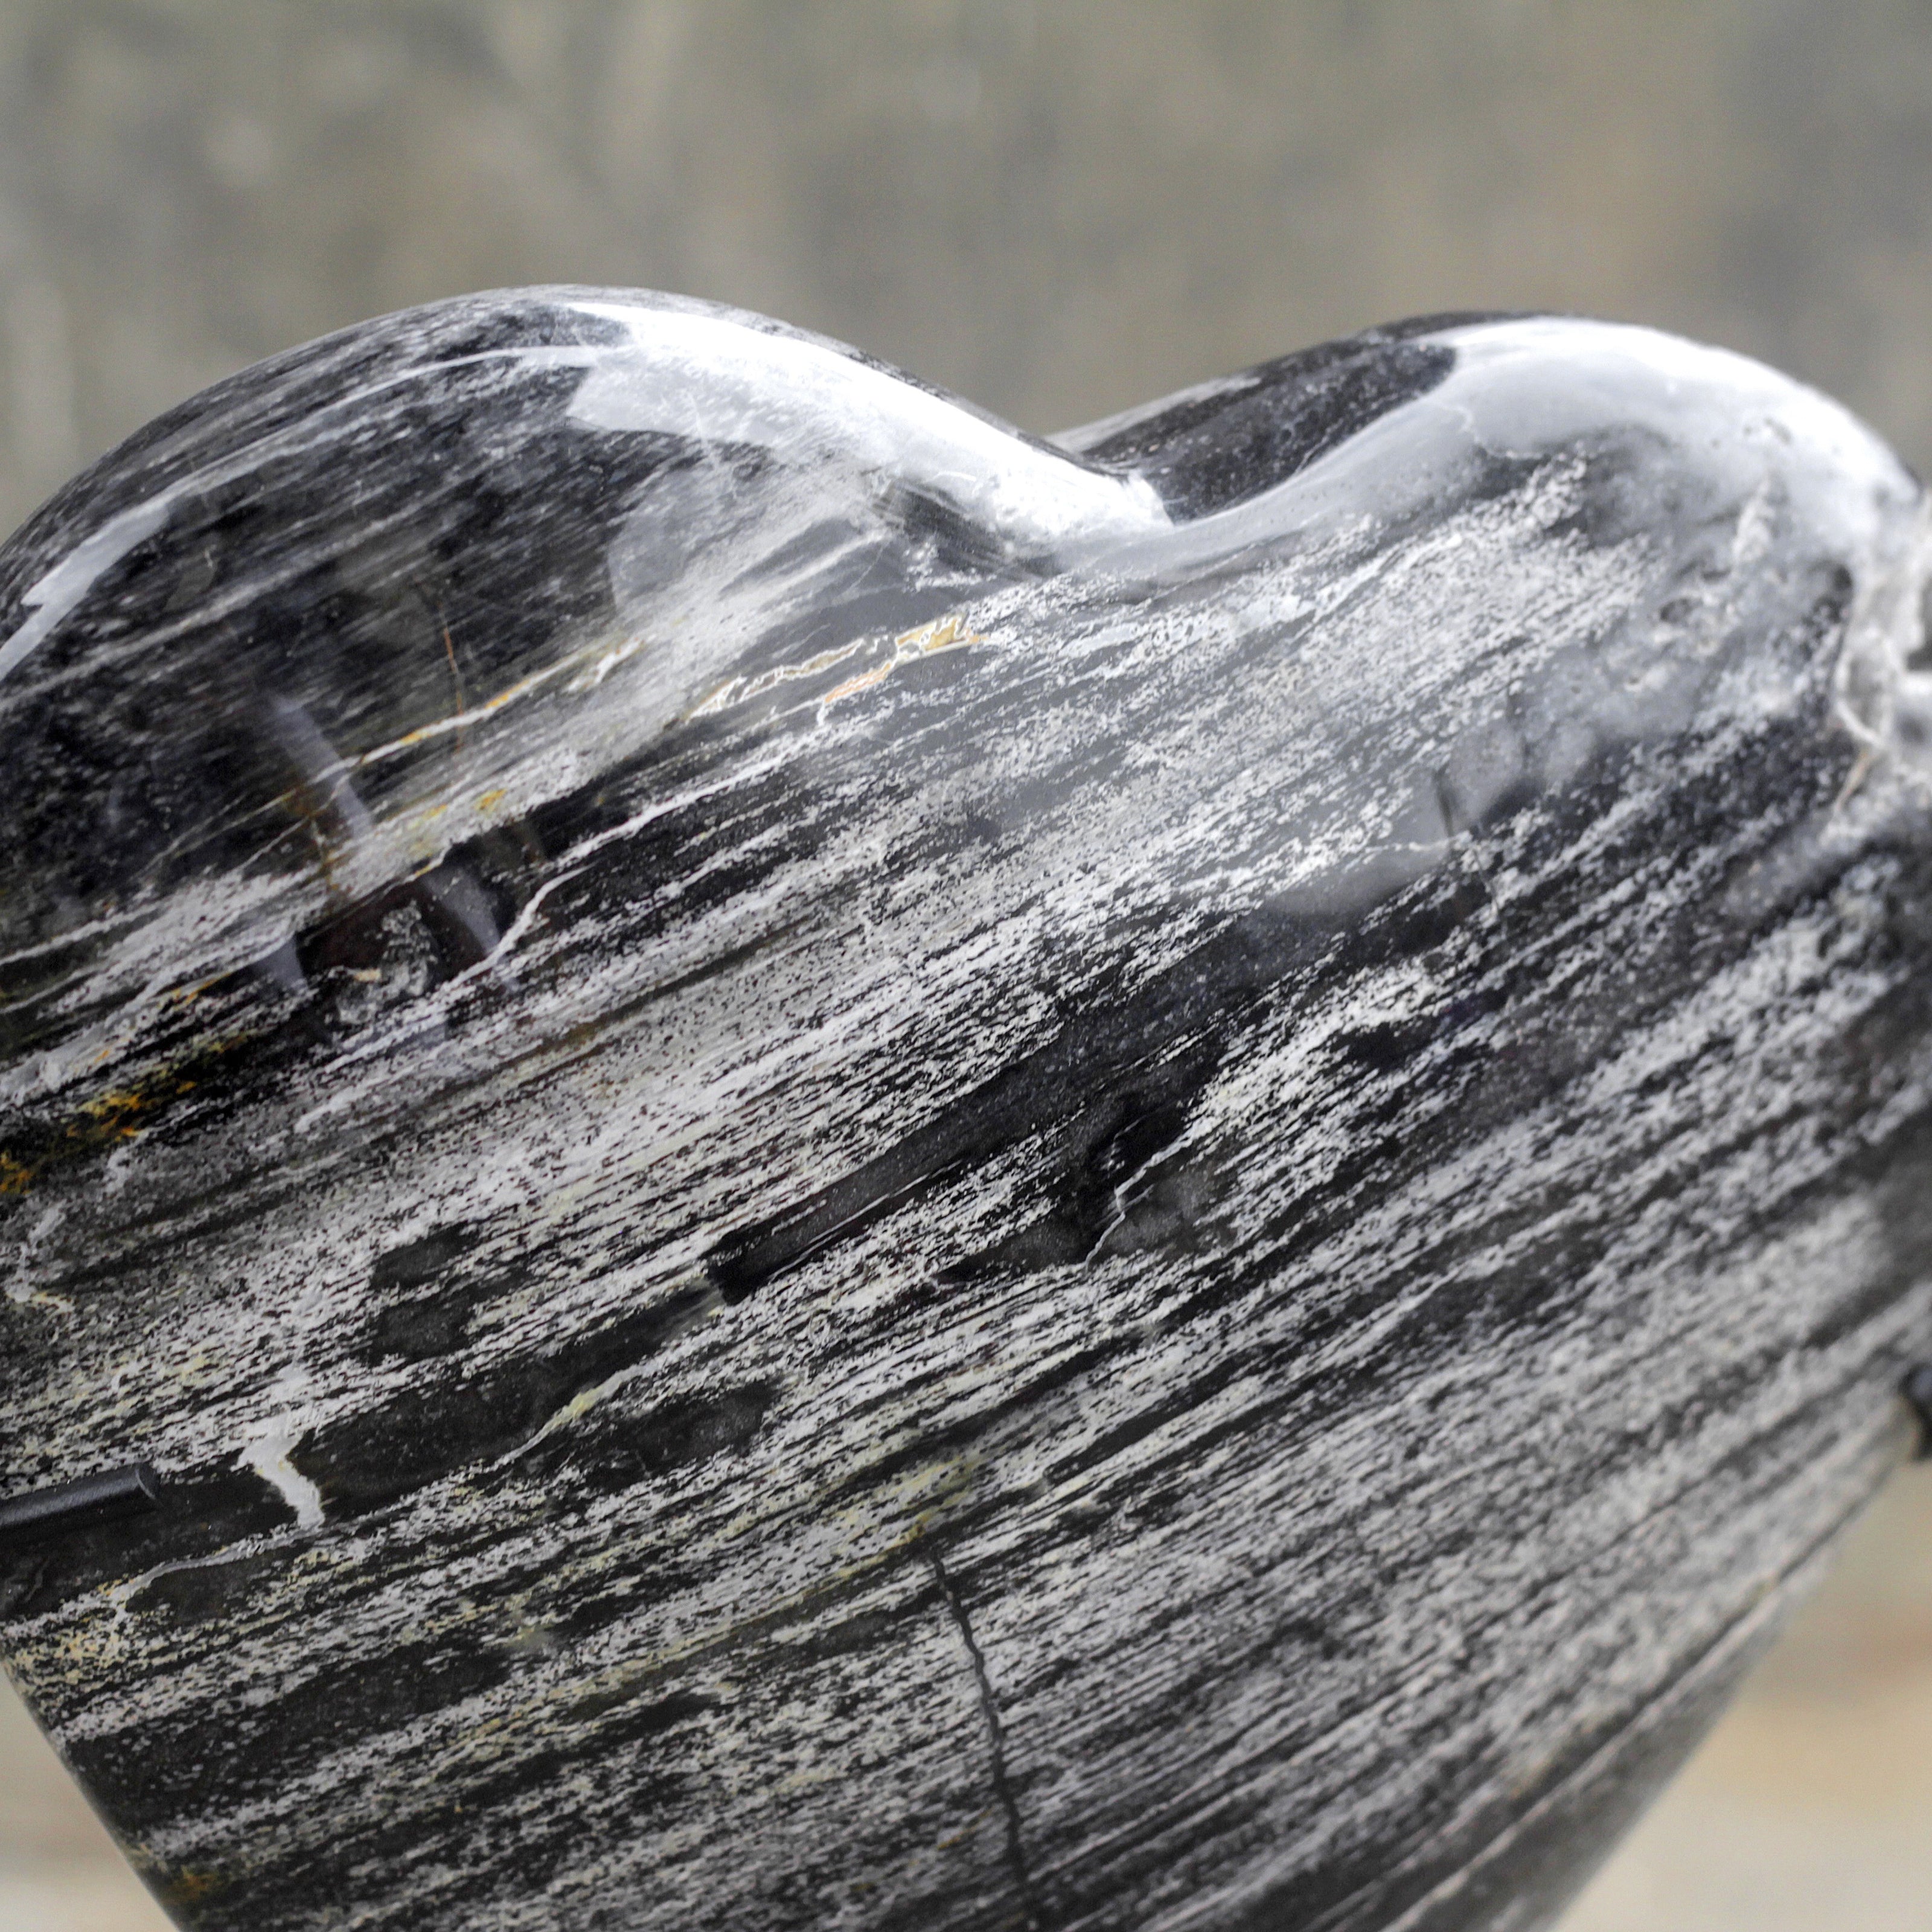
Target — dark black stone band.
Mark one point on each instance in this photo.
(83, 1503)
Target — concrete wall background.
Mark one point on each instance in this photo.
(1058, 207)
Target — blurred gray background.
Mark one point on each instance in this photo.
(1059, 207)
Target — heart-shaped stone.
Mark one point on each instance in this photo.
(784, 1162)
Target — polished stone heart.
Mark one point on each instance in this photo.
(846, 1172)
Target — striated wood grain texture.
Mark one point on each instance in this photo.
(852, 1173)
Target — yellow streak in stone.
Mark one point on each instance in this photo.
(39, 1297)
(592, 665)
(946, 633)
(586, 1399)
(739, 690)
(578, 1406)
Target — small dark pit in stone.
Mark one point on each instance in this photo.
(421, 1330)
(1918, 1392)
(417, 1327)
(1920, 657)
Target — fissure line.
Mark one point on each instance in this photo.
(996, 1740)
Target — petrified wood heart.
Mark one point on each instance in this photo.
(847, 1171)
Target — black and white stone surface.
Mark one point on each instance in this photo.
(850, 1172)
